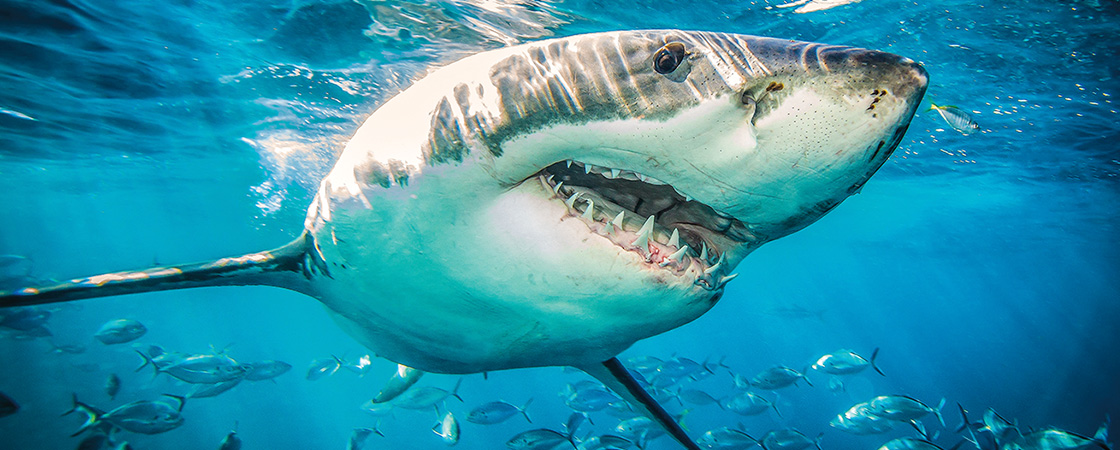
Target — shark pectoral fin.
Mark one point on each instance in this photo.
(616, 377)
(288, 267)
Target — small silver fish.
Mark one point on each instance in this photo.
(145, 417)
(862, 424)
(497, 412)
(748, 404)
(403, 379)
(587, 396)
(212, 390)
(1056, 439)
(359, 368)
(789, 439)
(957, 118)
(639, 429)
(538, 439)
(903, 408)
(778, 377)
(377, 409)
(846, 362)
(323, 367)
(204, 369)
(448, 429)
(265, 370)
(605, 442)
(120, 331)
(25, 319)
(112, 385)
(726, 437)
(426, 397)
(73, 349)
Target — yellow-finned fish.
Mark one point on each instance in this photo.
(957, 118)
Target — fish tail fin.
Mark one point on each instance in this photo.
(525, 409)
(932, 106)
(377, 429)
(805, 376)
(455, 390)
(680, 418)
(147, 360)
(937, 412)
(289, 267)
(921, 429)
(615, 376)
(964, 419)
(817, 441)
(875, 354)
(774, 404)
(93, 416)
(182, 400)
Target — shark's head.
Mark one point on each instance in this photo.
(554, 202)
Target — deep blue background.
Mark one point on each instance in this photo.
(986, 267)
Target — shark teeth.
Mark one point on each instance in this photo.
(643, 234)
(655, 244)
(589, 212)
(571, 201)
(724, 279)
(676, 256)
(615, 223)
(715, 267)
(615, 173)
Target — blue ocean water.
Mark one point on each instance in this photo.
(984, 267)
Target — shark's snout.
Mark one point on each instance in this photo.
(901, 75)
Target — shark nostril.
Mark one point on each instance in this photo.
(750, 104)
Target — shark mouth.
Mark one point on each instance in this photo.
(649, 217)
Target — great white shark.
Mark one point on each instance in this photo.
(552, 203)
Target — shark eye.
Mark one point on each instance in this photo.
(666, 60)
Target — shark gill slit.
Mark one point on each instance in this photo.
(290, 266)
